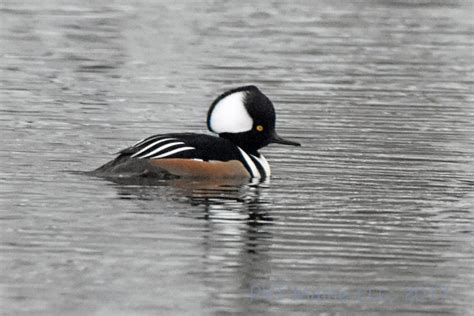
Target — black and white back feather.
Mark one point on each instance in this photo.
(156, 147)
(193, 146)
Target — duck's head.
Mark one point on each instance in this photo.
(246, 117)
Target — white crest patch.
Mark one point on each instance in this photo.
(230, 115)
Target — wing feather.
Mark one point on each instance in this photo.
(157, 146)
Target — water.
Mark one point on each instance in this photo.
(372, 215)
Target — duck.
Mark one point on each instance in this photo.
(243, 119)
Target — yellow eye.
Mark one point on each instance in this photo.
(259, 128)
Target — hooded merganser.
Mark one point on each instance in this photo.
(243, 117)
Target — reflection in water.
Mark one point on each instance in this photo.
(220, 199)
(236, 221)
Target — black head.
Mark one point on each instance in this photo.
(246, 117)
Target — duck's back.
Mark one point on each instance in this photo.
(178, 155)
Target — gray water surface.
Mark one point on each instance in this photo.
(372, 215)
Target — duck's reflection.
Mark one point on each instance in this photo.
(234, 192)
(215, 199)
(233, 220)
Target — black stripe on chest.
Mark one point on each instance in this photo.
(256, 166)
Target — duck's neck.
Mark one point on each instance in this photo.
(249, 145)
